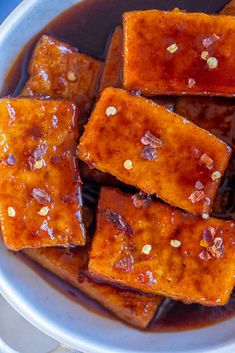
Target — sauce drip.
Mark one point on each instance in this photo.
(88, 26)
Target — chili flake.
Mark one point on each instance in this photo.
(196, 196)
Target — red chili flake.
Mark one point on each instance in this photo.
(134, 93)
(210, 40)
(204, 255)
(39, 152)
(119, 222)
(129, 230)
(206, 160)
(216, 250)
(208, 235)
(199, 185)
(149, 153)
(69, 198)
(132, 246)
(141, 199)
(56, 159)
(150, 140)
(116, 219)
(11, 159)
(125, 264)
(41, 196)
(197, 196)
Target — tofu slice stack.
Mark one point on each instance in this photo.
(40, 187)
(135, 308)
(155, 248)
(179, 53)
(159, 152)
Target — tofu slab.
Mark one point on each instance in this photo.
(229, 8)
(157, 151)
(40, 187)
(179, 53)
(59, 70)
(158, 249)
(111, 76)
(135, 308)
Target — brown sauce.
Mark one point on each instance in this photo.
(88, 26)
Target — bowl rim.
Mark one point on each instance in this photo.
(22, 305)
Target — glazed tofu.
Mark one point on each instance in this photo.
(155, 248)
(135, 308)
(229, 8)
(179, 53)
(111, 76)
(40, 187)
(159, 152)
(59, 70)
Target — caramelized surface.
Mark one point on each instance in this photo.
(177, 166)
(39, 173)
(59, 70)
(111, 76)
(229, 8)
(134, 308)
(151, 66)
(178, 270)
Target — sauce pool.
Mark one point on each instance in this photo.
(88, 26)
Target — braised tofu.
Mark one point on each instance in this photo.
(40, 187)
(179, 53)
(59, 70)
(159, 152)
(111, 76)
(155, 248)
(135, 308)
(229, 8)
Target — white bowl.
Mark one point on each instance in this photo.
(43, 305)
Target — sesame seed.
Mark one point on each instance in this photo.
(172, 48)
(43, 211)
(205, 215)
(111, 111)
(191, 82)
(71, 76)
(204, 55)
(146, 249)
(175, 243)
(38, 164)
(216, 175)
(128, 164)
(11, 212)
(208, 200)
(212, 62)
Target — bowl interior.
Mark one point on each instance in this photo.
(46, 307)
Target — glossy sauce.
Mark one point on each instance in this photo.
(88, 26)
